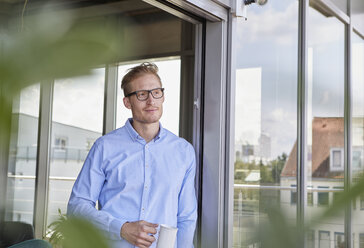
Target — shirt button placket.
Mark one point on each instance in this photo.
(146, 179)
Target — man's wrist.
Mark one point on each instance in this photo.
(121, 229)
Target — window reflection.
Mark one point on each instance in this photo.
(341, 4)
(265, 117)
(23, 156)
(357, 14)
(324, 239)
(357, 134)
(325, 121)
(76, 123)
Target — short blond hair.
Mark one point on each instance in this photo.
(137, 71)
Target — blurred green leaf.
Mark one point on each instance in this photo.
(276, 231)
(52, 45)
(75, 233)
(55, 45)
(342, 200)
(80, 233)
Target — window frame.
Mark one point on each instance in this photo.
(332, 151)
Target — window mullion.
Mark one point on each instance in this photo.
(43, 155)
(302, 117)
(347, 128)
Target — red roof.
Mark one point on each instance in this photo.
(327, 133)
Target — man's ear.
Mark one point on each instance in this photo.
(127, 102)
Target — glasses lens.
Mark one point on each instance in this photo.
(142, 95)
(157, 93)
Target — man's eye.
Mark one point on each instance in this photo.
(142, 93)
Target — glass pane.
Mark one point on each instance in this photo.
(342, 4)
(357, 14)
(324, 239)
(311, 239)
(23, 156)
(76, 123)
(325, 121)
(266, 90)
(357, 134)
(361, 240)
(339, 240)
(170, 74)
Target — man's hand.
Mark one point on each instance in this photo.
(138, 233)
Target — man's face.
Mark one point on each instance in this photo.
(150, 110)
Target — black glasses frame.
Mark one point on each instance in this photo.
(150, 92)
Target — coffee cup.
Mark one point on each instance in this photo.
(167, 236)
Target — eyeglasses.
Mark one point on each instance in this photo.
(143, 95)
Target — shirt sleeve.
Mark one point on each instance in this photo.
(187, 205)
(86, 192)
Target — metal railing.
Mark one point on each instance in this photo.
(236, 186)
(288, 188)
(50, 178)
(57, 153)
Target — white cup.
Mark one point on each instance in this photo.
(167, 236)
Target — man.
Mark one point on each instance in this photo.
(141, 174)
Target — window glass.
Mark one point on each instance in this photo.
(76, 123)
(293, 195)
(310, 239)
(357, 15)
(361, 240)
(23, 156)
(324, 239)
(336, 159)
(341, 4)
(336, 193)
(325, 118)
(339, 240)
(357, 131)
(266, 100)
(322, 197)
(170, 74)
(310, 198)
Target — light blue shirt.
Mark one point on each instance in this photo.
(133, 180)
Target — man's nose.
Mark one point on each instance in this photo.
(150, 99)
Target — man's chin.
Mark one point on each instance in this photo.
(150, 120)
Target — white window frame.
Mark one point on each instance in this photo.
(336, 149)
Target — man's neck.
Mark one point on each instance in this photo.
(146, 131)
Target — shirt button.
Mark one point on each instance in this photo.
(146, 165)
(145, 187)
(142, 209)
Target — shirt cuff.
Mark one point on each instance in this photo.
(115, 227)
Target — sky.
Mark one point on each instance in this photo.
(268, 40)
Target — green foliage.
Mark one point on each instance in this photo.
(265, 175)
(75, 233)
(277, 232)
(55, 45)
(277, 167)
(239, 176)
(55, 230)
(51, 46)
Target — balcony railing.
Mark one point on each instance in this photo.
(57, 153)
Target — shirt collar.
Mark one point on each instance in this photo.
(134, 134)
